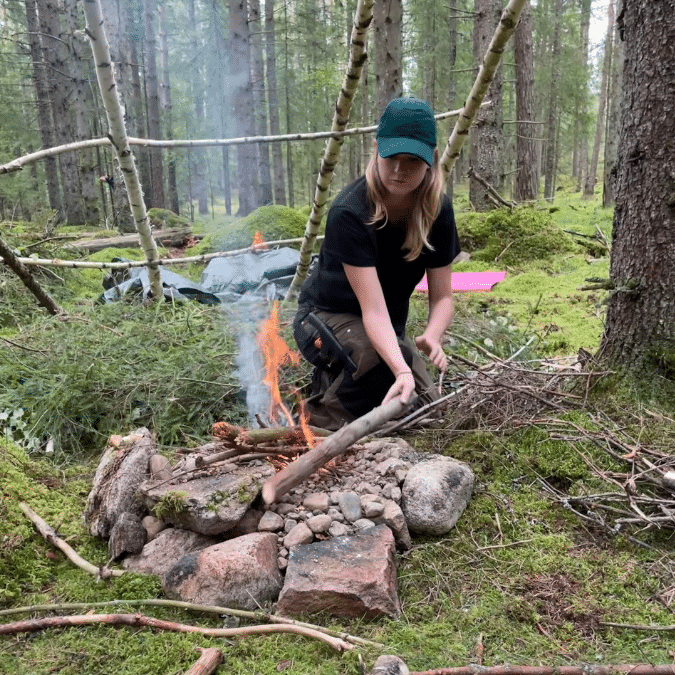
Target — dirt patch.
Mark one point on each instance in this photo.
(551, 601)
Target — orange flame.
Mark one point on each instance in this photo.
(259, 241)
(277, 353)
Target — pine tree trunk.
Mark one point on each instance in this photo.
(580, 159)
(138, 121)
(273, 102)
(260, 109)
(487, 136)
(167, 109)
(242, 104)
(589, 185)
(43, 107)
(198, 156)
(612, 130)
(551, 166)
(55, 52)
(527, 177)
(156, 197)
(387, 31)
(640, 325)
(82, 103)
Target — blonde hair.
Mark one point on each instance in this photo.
(427, 205)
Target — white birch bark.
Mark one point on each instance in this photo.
(120, 141)
(507, 25)
(357, 59)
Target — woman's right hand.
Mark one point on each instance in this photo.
(404, 386)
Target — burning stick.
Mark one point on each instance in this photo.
(331, 447)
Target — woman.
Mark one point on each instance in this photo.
(383, 232)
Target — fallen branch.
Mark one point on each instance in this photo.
(331, 447)
(586, 669)
(208, 609)
(136, 620)
(490, 190)
(637, 626)
(48, 533)
(209, 660)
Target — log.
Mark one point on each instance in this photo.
(168, 237)
(207, 663)
(331, 447)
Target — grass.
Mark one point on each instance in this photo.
(520, 578)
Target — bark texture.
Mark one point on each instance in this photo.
(387, 25)
(640, 326)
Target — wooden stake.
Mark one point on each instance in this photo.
(331, 447)
(207, 663)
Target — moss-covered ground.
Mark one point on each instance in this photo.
(519, 580)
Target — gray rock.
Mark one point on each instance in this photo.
(319, 524)
(121, 471)
(127, 536)
(163, 552)
(337, 529)
(153, 526)
(300, 534)
(317, 501)
(389, 665)
(350, 505)
(394, 519)
(159, 468)
(364, 524)
(373, 509)
(350, 576)
(241, 573)
(270, 522)
(210, 505)
(435, 494)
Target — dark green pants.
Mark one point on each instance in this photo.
(339, 396)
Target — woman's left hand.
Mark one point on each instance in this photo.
(433, 349)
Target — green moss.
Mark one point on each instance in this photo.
(163, 218)
(273, 222)
(512, 236)
(172, 503)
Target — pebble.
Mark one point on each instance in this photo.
(350, 505)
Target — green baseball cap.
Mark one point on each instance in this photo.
(407, 126)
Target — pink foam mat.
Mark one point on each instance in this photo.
(469, 281)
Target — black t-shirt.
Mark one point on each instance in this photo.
(351, 240)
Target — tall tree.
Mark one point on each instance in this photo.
(580, 141)
(57, 56)
(260, 109)
(551, 165)
(640, 325)
(242, 103)
(612, 127)
(43, 108)
(387, 32)
(166, 106)
(591, 178)
(273, 102)
(527, 176)
(156, 189)
(487, 136)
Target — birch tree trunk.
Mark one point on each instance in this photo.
(167, 109)
(43, 107)
(137, 116)
(551, 166)
(357, 59)
(118, 136)
(487, 136)
(591, 178)
(273, 102)
(156, 197)
(527, 176)
(507, 25)
(640, 325)
(387, 27)
(242, 104)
